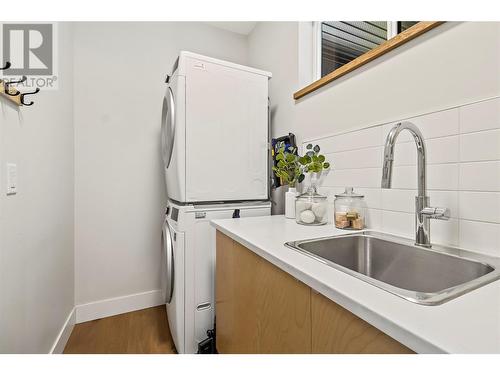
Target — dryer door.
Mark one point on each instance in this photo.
(167, 127)
(173, 139)
(167, 264)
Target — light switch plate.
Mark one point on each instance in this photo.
(11, 178)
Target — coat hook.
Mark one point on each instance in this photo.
(7, 88)
(37, 90)
(7, 65)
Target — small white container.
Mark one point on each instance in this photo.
(290, 198)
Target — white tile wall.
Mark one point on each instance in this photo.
(398, 200)
(480, 176)
(368, 137)
(369, 157)
(480, 146)
(463, 174)
(432, 125)
(479, 206)
(446, 232)
(443, 150)
(480, 236)
(439, 177)
(401, 223)
(363, 177)
(374, 219)
(480, 116)
(439, 151)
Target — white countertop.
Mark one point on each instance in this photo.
(467, 324)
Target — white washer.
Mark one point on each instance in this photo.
(188, 267)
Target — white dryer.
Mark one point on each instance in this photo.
(215, 136)
(188, 267)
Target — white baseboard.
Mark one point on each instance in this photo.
(64, 334)
(119, 305)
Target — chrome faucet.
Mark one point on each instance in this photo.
(423, 212)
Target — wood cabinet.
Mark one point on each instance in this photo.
(236, 297)
(262, 309)
(337, 330)
(284, 312)
(259, 308)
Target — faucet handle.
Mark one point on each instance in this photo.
(439, 213)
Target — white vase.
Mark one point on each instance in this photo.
(290, 197)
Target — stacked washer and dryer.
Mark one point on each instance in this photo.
(215, 149)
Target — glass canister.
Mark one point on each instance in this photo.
(349, 210)
(311, 208)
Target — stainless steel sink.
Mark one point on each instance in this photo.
(421, 275)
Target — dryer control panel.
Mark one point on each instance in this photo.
(173, 213)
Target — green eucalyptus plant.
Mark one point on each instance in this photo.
(313, 161)
(288, 167)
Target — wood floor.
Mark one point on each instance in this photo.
(139, 332)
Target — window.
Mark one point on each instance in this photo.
(330, 50)
(343, 41)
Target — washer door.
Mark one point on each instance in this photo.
(167, 263)
(167, 127)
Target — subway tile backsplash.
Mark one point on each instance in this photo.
(479, 206)
(432, 125)
(480, 176)
(363, 138)
(463, 174)
(480, 146)
(480, 116)
(480, 236)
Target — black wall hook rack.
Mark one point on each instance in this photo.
(8, 83)
(37, 90)
(13, 94)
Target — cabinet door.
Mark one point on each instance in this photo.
(236, 302)
(259, 308)
(336, 330)
(284, 313)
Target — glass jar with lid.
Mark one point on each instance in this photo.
(349, 210)
(311, 208)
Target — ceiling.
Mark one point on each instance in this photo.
(243, 28)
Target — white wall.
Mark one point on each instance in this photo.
(454, 64)
(120, 199)
(36, 225)
(274, 45)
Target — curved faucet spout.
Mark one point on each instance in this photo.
(389, 156)
(422, 210)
